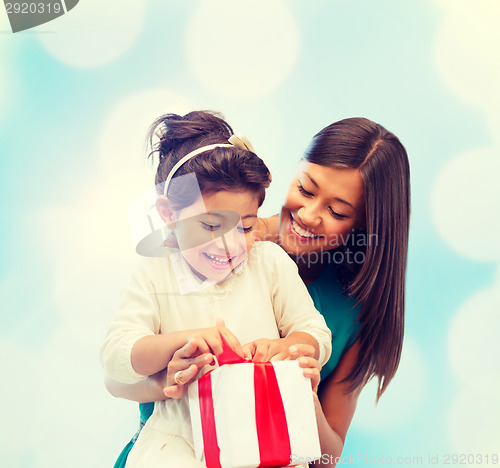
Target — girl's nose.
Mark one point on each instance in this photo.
(231, 241)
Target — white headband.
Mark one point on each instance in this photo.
(238, 141)
(187, 158)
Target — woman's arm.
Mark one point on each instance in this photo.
(335, 408)
(145, 391)
(162, 385)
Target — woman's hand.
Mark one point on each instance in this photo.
(183, 367)
(304, 354)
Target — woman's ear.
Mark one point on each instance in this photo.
(165, 210)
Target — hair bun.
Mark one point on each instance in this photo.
(190, 131)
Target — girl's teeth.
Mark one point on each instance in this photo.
(300, 231)
(217, 260)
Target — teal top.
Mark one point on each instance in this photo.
(339, 311)
(340, 314)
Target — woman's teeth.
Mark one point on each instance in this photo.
(301, 231)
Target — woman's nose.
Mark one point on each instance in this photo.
(309, 215)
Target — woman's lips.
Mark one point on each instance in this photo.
(300, 232)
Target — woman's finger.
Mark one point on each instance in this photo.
(305, 361)
(182, 377)
(314, 375)
(174, 391)
(298, 350)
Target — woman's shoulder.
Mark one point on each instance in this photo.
(271, 253)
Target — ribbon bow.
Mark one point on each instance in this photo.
(272, 429)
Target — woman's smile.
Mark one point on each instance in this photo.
(301, 231)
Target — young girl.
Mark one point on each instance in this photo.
(255, 289)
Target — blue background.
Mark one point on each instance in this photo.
(76, 98)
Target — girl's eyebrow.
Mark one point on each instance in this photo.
(336, 198)
(211, 213)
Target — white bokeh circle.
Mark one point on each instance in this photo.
(122, 142)
(465, 204)
(467, 50)
(473, 424)
(19, 381)
(74, 415)
(473, 342)
(242, 49)
(94, 32)
(403, 396)
(7, 88)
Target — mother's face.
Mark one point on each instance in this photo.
(322, 207)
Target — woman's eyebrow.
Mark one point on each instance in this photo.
(336, 198)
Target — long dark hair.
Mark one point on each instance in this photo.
(226, 168)
(378, 284)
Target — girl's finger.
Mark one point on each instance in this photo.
(194, 345)
(189, 349)
(248, 350)
(283, 356)
(260, 352)
(232, 341)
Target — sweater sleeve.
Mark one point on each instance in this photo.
(293, 307)
(137, 316)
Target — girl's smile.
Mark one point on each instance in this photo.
(214, 233)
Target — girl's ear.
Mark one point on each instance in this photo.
(165, 210)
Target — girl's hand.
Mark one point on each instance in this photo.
(208, 340)
(263, 350)
(183, 367)
(304, 354)
(199, 351)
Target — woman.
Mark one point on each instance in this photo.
(345, 222)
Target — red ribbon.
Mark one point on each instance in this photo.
(272, 429)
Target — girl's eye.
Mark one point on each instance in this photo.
(210, 227)
(336, 215)
(245, 230)
(303, 191)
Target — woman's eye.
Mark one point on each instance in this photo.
(303, 191)
(245, 230)
(336, 215)
(210, 227)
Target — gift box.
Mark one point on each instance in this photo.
(247, 415)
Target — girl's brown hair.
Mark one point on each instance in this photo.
(226, 168)
(378, 284)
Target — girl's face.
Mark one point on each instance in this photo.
(322, 207)
(214, 234)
